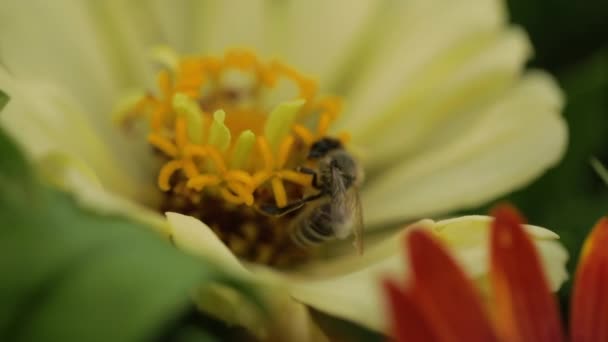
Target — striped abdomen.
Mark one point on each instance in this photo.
(315, 226)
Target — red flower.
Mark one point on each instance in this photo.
(442, 304)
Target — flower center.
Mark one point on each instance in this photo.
(229, 147)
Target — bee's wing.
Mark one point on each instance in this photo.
(346, 209)
(357, 223)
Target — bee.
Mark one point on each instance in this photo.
(335, 211)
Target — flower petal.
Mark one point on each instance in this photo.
(514, 141)
(525, 309)
(444, 294)
(407, 321)
(126, 29)
(321, 49)
(589, 308)
(214, 26)
(293, 322)
(349, 287)
(416, 55)
(468, 239)
(221, 302)
(290, 320)
(63, 27)
(193, 236)
(99, 48)
(433, 112)
(45, 119)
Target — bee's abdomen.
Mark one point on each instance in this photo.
(313, 229)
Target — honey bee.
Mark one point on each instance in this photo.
(335, 211)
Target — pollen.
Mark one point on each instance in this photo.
(230, 133)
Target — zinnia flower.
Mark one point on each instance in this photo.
(437, 110)
(523, 308)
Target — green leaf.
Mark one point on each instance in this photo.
(72, 275)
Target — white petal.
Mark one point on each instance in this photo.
(45, 119)
(419, 43)
(171, 21)
(218, 25)
(432, 110)
(193, 236)
(514, 141)
(294, 322)
(316, 36)
(66, 49)
(127, 30)
(289, 320)
(468, 237)
(357, 295)
(57, 41)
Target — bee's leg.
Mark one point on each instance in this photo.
(315, 179)
(273, 210)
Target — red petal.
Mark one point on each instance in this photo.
(525, 307)
(445, 295)
(407, 322)
(589, 309)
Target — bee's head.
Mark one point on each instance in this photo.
(322, 146)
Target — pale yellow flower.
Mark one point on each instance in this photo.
(440, 110)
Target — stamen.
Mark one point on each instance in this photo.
(242, 149)
(199, 182)
(181, 133)
(241, 59)
(163, 144)
(280, 196)
(187, 108)
(261, 177)
(243, 193)
(195, 151)
(164, 83)
(166, 172)
(190, 168)
(190, 77)
(307, 86)
(323, 124)
(158, 116)
(239, 176)
(266, 154)
(194, 115)
(217, 159)
(280, 121)
(284, 149)
(331, 105)
(304, 134)
(230, 197)
(296, 177)
(219, 135)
